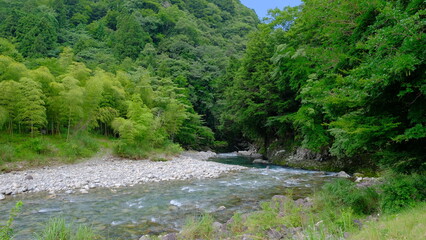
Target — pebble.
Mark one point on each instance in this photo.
(112, 172)
(29, 177)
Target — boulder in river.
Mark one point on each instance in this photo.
(221, 208)
(260, 161)
(343, 174)
(249, 154)
(2, 197)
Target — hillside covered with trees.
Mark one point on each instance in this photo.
(345, 79)
(141, 70)
(342, 78)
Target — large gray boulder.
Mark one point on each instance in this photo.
(260, 161)
(367, 182)
(343, 174)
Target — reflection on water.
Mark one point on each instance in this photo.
(154, 208)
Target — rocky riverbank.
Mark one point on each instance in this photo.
(111, 172)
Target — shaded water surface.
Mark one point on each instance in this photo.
(154, 208)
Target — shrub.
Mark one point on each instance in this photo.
(142, 151)
(86, 142)
(196, 228)
(81, 145)
(344, 193)
(38, 145)
(7, 153)
(402, 191)
(130, 150)
(274, 214)
(57, 229)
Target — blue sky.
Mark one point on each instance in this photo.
(261, 6)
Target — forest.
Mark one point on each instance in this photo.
(143, 71)
(343, 80)
(342, 77)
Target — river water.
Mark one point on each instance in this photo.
(155, 208)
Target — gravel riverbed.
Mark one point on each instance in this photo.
(111, 172)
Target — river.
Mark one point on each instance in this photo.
(155, 208)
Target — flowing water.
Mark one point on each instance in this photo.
(155, 208)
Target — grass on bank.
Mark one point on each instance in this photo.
(409, 224)
(198, 228)
(26, 151)
(58, 229)
(146, 150)
(20, 151)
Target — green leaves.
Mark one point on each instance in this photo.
(416, 132)
(31, 105)
(347, 76)
(130, 38)
(172, 54)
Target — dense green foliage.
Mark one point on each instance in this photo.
(344, 193)
(402, 191)
(141, 70)
(345, 77)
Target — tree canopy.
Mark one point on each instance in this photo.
(347, 77)
(140, 70)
